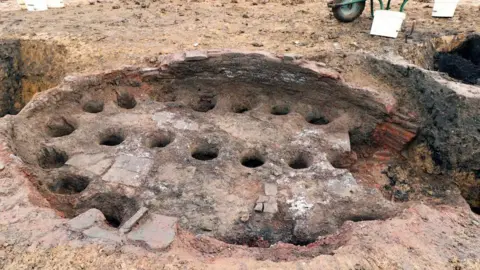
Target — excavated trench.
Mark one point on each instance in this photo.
(463, 62)
(248, 148)
(451, 124)
(27, 67)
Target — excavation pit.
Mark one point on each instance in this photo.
(463, 62)
(300, 161)
(116, 208)
(205, 103)
(125, 100)
(316, 119)
(93, 106)
(227, 168)
(159, 139)
(50, 157)
(112, 137)
(69, 184)
(205, 152)
(252, 159)
(203, 159)
(59, 127)
(241, 108)
(280, 110)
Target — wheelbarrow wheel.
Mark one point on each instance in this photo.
(349, 12)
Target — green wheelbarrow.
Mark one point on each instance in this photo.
(349, 10)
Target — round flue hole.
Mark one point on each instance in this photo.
(113, 221)
(126, 100)
(262, 232)
(280, 110)
(205, 152)
(316, 119)
(59, 127)
(93, 106)
(241, 108)
(300, 161)
(205, 103)
(69, 184)
(115, 207)
(252, 160)
(344, 160)
(112, 137)
(112, 140)
(50, 157)
(159, 140)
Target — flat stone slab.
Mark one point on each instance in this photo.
(127, 226)
(128, 170)
(262, 199)
(270, 189)
(195, 55)
(271, 206)
(168, 118)
(158, 232)
(258, 207)
(291, 57)
(95, 163)
(100, 233)
(86, 220)
(171, 173)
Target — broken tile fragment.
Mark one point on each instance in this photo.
(270, 189)
(157, 232)
(259, 207)
(86, 220)
(127, 226)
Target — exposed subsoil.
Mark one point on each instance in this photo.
(102, 36)
(194, 137)
(462, 63)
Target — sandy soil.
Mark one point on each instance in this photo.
(109, 34)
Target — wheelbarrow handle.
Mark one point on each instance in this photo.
(371, 6)
(403, 5)
(389, 2)
(381, 3)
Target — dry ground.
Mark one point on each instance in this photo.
(112, 33)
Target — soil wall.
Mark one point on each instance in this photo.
(27, 67)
